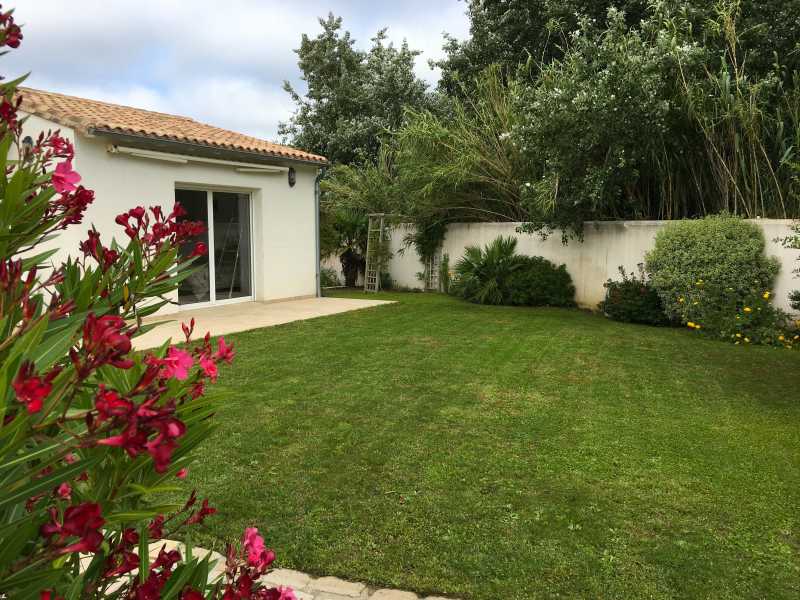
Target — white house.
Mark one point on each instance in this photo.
(258, 199)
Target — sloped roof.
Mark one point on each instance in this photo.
(85, 115)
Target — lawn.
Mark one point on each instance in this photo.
(493, 452)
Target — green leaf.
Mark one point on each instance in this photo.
(34, 578)
(54, 347)
(134, 516)
(32, 261)
(21, 492)
(16, 536)
(38, 452)
(144, 552)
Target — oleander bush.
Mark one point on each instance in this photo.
(93, 435)
(496, 274)
(633, 299)
(722, 250)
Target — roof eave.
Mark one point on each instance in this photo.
(149, 142)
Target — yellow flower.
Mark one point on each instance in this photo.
(781, 338)
(747, 309)
(697, 326)
(797, 337)
(766, 295)
(738, 335)
(690, 325)
(747, 340)
(681, 300)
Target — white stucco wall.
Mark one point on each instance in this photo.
(284, 246)
(605, 247)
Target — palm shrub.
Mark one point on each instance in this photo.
(93, 434)
(496, 274)
(349, 228)
(483, 275)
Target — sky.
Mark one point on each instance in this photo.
(221, 63)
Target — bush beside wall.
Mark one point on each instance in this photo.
(496, 274)
(720, 250)
(538, 282)
(633, 300)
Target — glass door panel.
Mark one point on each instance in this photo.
(232, 260)
(197, 287)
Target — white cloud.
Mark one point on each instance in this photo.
(219, 62)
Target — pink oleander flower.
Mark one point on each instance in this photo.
(182, 473)
(82, 521)
(64, 179)
(177, 364)
(209, 367)
(64, 491)
(258, 555)
(224, 352)
(30, 388)
(280, 593)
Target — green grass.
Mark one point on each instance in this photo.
(492, 452)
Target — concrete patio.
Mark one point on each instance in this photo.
(232, 318)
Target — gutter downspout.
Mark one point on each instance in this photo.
(320, 175)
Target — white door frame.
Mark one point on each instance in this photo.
(212, 267)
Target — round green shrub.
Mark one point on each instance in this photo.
(538, 282)
(722, 250)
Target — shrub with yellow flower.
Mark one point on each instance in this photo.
(741, 316)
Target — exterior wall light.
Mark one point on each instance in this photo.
(292, 176)
(27, 147)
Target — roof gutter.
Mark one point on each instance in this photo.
(148, 142)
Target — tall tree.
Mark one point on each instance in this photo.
(511, 32)
(353, 95)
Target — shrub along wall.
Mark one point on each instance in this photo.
(606, 247)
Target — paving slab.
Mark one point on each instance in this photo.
(339, 587)
(393, 595)
(244, 316)
(287, 577)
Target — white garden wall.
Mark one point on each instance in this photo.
(605, 247)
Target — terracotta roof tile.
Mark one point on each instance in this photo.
(83, 114)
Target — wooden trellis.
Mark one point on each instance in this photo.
(378, 235)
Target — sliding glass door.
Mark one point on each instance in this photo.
(232, 245)
(226, 272)
(195, 288)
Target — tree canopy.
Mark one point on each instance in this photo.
(353, 96)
